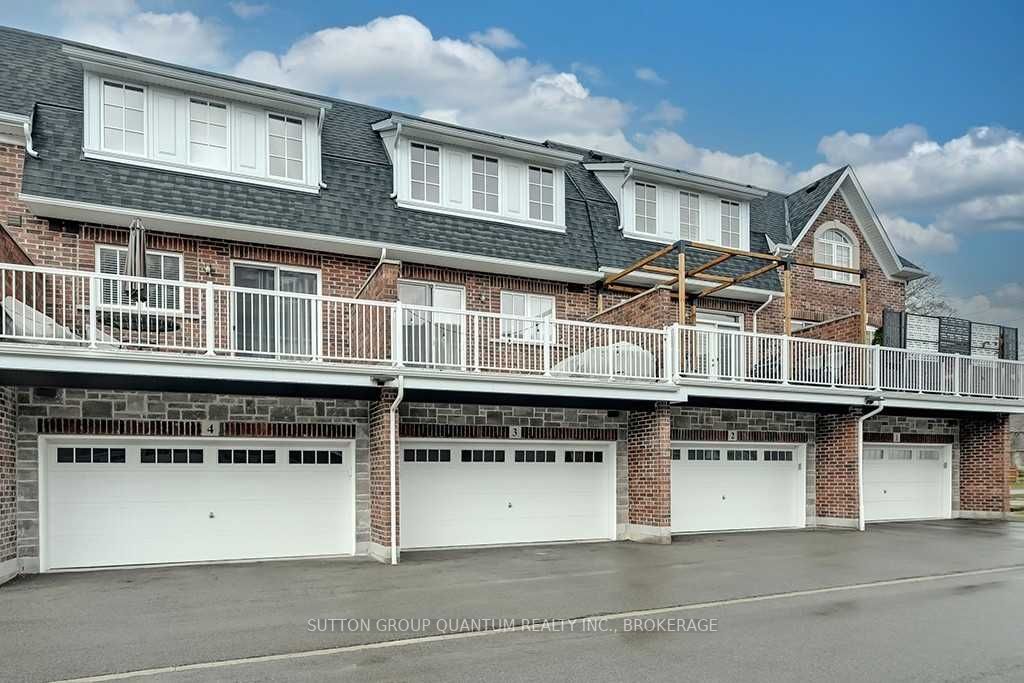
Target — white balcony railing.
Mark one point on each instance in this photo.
(731, 356)
(53, 307)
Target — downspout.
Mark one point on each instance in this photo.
(394, 162)
(771, 298)
(320, 139)
(622, 197)
(29, 149)
(394, 459)
(860, 456)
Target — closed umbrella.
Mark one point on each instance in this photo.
(135, 265)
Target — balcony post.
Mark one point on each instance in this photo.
(548, 330)
(397, 329)
(476, 343)
(668, 353)
(785, 359)
(209, 314)
(956, 374)
(611, 354)
(94, 290)
(876, 371)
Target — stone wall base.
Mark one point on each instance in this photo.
(833, 522)
(641, 533)
(978, 514)
(382, 553)
(9, 569)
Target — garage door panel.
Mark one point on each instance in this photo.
(140, 512)
(503, 502)
(903, 482)
(713, 493)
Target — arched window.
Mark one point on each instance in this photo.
(835, 248)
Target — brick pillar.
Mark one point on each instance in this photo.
(382, 284)
(984, 466)
(379, 436)
(649, 457)
(835, 469)
(8, 524)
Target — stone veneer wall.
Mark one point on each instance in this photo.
(112, 412)
(8, 487)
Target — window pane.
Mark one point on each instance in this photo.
(433, 193)
(276, 125)
(277, 146)
(433, 155)
(113, 94)
(295, 169)
(218, 114)
(294, 129)
(113, 139)
(417, 172)
(218, 136)
(294, 149)
(417, 190)
(197, 132)
(276, 166)
(134, 143)
(133, 98)
(113, 116)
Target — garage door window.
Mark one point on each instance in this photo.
(315, 457)
(901, 454)
(744, 455)
(535, 456)
(487, 455)
(114, 456)
(874, 454)
(427, 455)
(928, 454)
(703, 454)
(778, 456)
(171, 456)
(584, 456)
(244, 456)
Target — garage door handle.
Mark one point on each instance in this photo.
(211, 515)
(510, 506)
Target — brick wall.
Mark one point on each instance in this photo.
(379, 454)
(984, 464)
(836, 452)
(654, 308)
(648, 450)
(122, 412)
(846, 329)
(382, 283)
(8, 485)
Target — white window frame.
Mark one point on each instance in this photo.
(146, 304)
(830, 257)
(522, 331)
(425, 182)
(692, 197)
(473, 192)
(228, 113)
(728, 218)
(540, 203)
(317, 341)
(648, 202)
(302, 146)
(124, 119)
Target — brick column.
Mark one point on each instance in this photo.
(649, 457)
(835, 469)
(8, 524)
(379, 446)
(984, 466)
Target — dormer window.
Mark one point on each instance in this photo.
(208, 133)
(124, 118)
(732, 231)
(425, 169)
(485, 183)
(284, 149)
(689, 216)
(646, 208)
(542, 194)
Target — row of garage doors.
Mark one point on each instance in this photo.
(148, 501)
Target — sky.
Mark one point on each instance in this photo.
(924, 99)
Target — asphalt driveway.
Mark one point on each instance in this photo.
(59, 626)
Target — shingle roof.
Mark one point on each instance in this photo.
(358, 174)
(805, 201)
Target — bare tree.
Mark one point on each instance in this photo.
(927, 296)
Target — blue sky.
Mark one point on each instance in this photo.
(924, 99)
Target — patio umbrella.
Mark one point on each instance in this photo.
(135, 265)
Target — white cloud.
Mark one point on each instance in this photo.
(248, 10)
(1003, 306)
(861, 148)
(590, 72)
(180, 37)
(666, 113)
(496, 38)
(911, 237)
(649, 75)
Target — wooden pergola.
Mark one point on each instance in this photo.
(677, 276)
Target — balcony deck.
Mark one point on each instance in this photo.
(54, 314)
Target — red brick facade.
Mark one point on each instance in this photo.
(8, 440)
(835, 473)
(846, 329)
(649, 458)
(654, 308)
(379, 436)
(985, 464)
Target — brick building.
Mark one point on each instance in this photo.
(361, 332)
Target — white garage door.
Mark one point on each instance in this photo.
(721, 487)
(483, 493)
(146, 501)
(907, 482)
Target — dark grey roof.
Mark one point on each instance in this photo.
(805, 201)
(358, 174)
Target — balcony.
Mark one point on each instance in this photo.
(54, 313)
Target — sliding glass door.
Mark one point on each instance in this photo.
(432, 337)
(269, 322)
